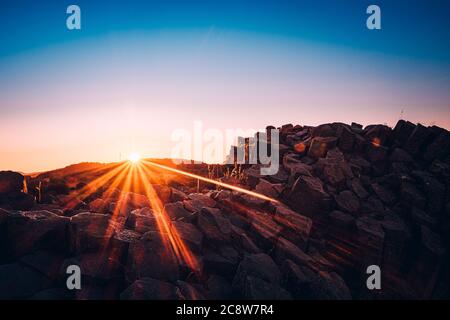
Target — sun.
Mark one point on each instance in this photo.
(134, 157)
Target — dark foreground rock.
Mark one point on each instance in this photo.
(345, 197)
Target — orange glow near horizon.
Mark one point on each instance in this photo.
(128, 175)
(134, 157)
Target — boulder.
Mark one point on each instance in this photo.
(269, 189)
(305, 283)
(356, 127)
(346, 138)
(98, 205)
(348, 201)
(263, 230)
(435, 192)
(136, 200)
(222, 262)
(285, 249)
(420, 218)
(377, 135)
(20, 282)
(308, 196)
(178, 195)
(27, 231)
(17, 201)
(47, 263)
(218, 288)
(91, 232)
(372, 206)
(96, 268)
(418, 139)
(190, 291)
(396, 241)
(164, 193)
(241, 240)
(120, 243)
(320, 146)
(357, 187)
(384, 194)
(152, 256)
(296, 228)
(260, 266)
(370, 235)
(295, 167)
(187, 232)
(198, 201)
(142, 220)
(11, 182)
(412, 196)
(400, 155)
(376, 153)
(324, 130)
(439, 148)
(214, 225)
(342, 220)
(296, 280)
(402, 131)
(176, 210)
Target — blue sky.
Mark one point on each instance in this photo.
(416, 29)
(137, 70)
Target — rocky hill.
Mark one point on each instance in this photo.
(347, 197)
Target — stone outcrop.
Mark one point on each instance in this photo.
(345, 197)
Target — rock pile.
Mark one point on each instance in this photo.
(347, 197)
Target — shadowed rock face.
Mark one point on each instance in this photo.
(13, 191)
(347, 197)
(11, 182)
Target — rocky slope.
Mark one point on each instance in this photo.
(348, 197)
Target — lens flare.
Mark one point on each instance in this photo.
(134, 157)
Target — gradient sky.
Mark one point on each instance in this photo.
(140, 69)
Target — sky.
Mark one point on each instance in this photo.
(138, 71)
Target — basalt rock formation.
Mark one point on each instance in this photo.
(347, 197)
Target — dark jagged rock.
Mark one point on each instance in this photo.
(296, 227)
(33, 230)
(198, 201)
(377, 134)
(346, 198)
(439, 148)
(223, 263)
(418, 139)
(189, 291)
(341, 219)
(90, 232)
(320, 146)
(269, 189)
(218, 288)
(17, 201)
(402, 132)
(214, 225)
(11, 182)
(152, 256)
(308, 196)
(347, 201)
(142, 220)
(176, 210)
(258, 277)
(189, 234)
(20, 282)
